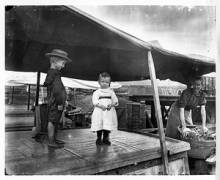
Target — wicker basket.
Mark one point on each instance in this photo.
(200, 147)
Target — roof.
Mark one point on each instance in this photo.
(93, 45)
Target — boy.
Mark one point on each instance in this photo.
(56, 94)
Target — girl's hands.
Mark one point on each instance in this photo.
(102, 107)
(109, 107)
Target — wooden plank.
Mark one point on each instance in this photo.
(126, 145)
(179, 146)
(142, 131)
(90, 167)
(122, 160)
(16, 155)
(102, 154)
(81, 156)
(143, 168)
(158, 112)
(52, 163)
(129, 160)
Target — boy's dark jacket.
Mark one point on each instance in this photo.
(56, 92)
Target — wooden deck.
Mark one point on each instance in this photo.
(80, 155)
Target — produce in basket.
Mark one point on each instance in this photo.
(197, 134)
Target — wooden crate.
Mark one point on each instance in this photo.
(209, 84)
(136, 115)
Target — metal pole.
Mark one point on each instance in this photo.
(158, 112)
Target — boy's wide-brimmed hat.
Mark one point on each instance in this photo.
(59, 53)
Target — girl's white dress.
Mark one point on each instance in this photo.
(104, 120)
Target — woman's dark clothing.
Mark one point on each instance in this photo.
(189, 101)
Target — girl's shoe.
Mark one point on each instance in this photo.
(107, 142)
(106, 137)
(98, 142)
(99, 138)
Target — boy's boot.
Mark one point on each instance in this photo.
(60, 142)
(106, 137)
(99, 138)
(51, 135)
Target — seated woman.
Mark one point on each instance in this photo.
(180, 112)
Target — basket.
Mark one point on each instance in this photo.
(201, 146)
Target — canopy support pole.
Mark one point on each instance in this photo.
(74, 96)
(37, 99)
(158, 112)
(28, 101)
(37, 89)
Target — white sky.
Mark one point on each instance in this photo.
(187, 40)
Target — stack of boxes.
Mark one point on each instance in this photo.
(136, 116)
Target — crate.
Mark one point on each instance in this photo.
(209, 84)
(136, 116)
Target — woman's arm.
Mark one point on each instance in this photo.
(185, 130)
(182, 118)
(203, 115)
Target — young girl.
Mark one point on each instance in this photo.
(104, 118)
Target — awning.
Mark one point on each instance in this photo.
(21, 78)
(94, 47)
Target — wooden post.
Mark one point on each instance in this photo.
(158, 112)
(28, 102)
(74, 96)
(186, 163)
(37, 99)
(37, 89)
